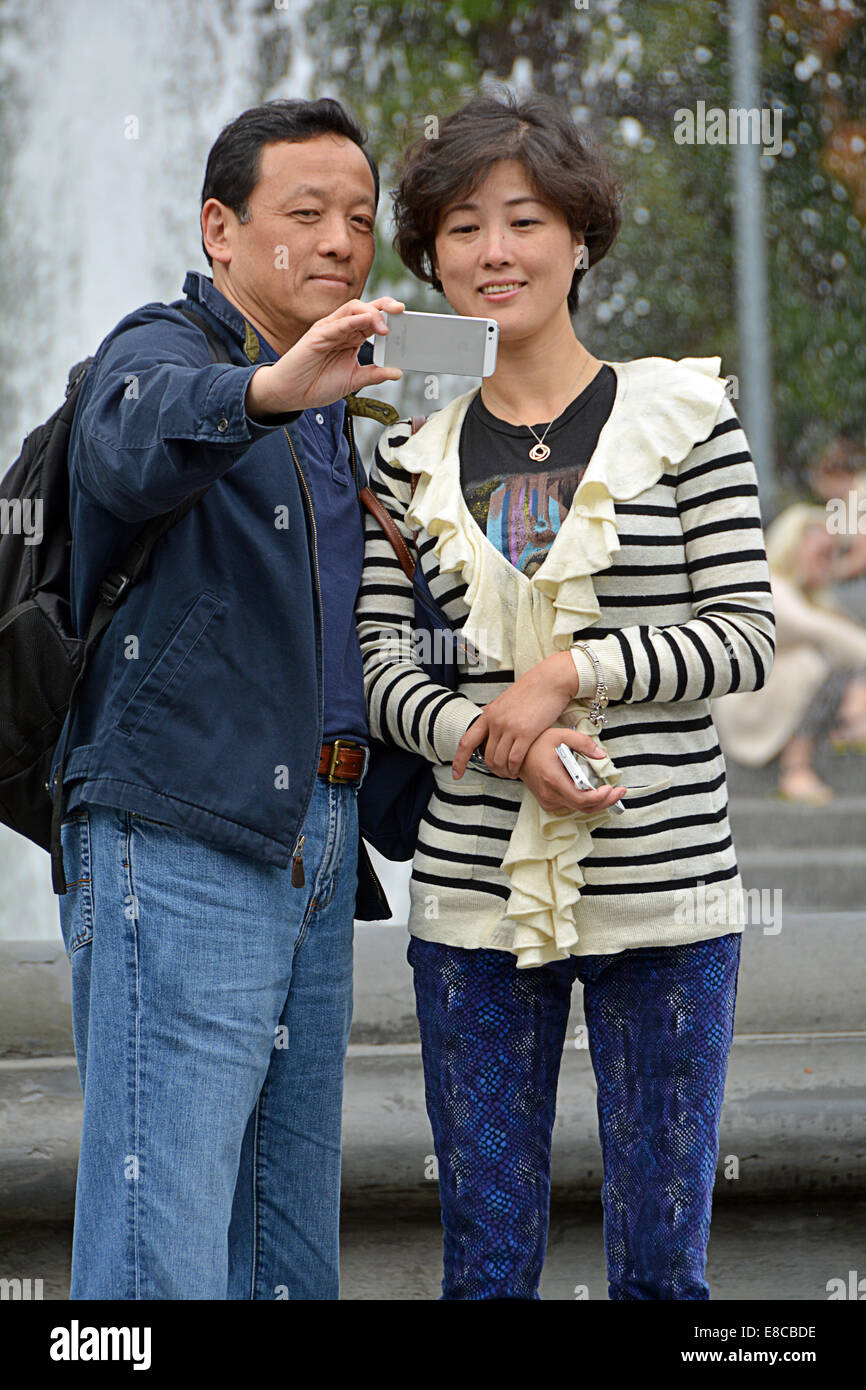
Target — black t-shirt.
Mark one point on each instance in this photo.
(519, 504)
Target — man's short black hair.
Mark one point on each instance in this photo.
(234, 162)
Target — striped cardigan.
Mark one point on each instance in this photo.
(684, 614)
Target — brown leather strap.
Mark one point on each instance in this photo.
(342, 762)
(386, 521)
(389, 526)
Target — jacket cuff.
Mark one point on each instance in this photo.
(273, 422)
(224, 418)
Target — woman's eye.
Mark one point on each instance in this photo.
(518, 222)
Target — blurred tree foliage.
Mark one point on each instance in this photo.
(624, 68)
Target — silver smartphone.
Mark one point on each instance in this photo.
(444, 343)
(582, 774)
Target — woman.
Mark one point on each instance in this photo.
(838, 477)
(567, 502)
(817, 688)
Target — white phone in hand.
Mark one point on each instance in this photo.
(444, 343)
(582, 774)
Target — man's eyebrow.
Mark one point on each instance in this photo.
(509, 202)
(309, 190)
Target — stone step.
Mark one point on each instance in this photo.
(808, 877)
(800, 971)
(762, 821)
(792, 1120)
(846, 774)
(781, 1250)
(792, 1123)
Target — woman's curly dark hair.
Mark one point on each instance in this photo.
(564, 165)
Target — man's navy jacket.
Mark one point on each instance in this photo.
(202, 704)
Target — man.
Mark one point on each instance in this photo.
(210, 832)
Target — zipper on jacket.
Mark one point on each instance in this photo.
(350, 434)
(298, 876)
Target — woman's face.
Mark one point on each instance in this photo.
(501, 253)
(815, 556)
(828, 481)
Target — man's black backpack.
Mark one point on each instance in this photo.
(42, 660)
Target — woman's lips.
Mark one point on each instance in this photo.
(504, 297)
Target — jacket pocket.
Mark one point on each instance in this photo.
(171, 662)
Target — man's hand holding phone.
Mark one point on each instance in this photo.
(323, 365)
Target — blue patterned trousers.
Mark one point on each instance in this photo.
(660, 1024)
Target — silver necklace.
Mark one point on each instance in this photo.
(541, 451)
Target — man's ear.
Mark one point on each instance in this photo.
(216, 230)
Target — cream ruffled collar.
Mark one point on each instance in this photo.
(661, 409)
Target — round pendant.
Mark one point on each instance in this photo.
(539, 452)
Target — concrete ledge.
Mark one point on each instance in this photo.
(790, 1121)
(846, 774)
(35, 999)
(807, 878)
(802, 972)
(762, 820)
(805, 972)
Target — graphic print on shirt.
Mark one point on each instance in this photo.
(521, 513)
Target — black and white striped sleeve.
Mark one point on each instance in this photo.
(729, 644)
(404, 707)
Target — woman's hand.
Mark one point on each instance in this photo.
(512, 721)
(551, 785)
(323, 365)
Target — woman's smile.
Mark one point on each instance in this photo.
(501, 289)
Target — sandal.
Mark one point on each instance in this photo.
(812, 792)
(848, 743)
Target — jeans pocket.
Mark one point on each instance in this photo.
(76, 904)
(151, 820)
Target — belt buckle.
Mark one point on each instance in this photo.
(335, 753)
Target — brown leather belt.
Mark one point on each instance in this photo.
(343, 760)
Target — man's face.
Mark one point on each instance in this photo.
(309, 243)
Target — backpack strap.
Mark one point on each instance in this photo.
(218, 350)
(112, 589)
(386, 521)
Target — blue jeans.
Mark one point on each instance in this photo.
(660, 1023)
(212, 1002)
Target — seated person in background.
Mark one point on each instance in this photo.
(839, 471)
(818, 682)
